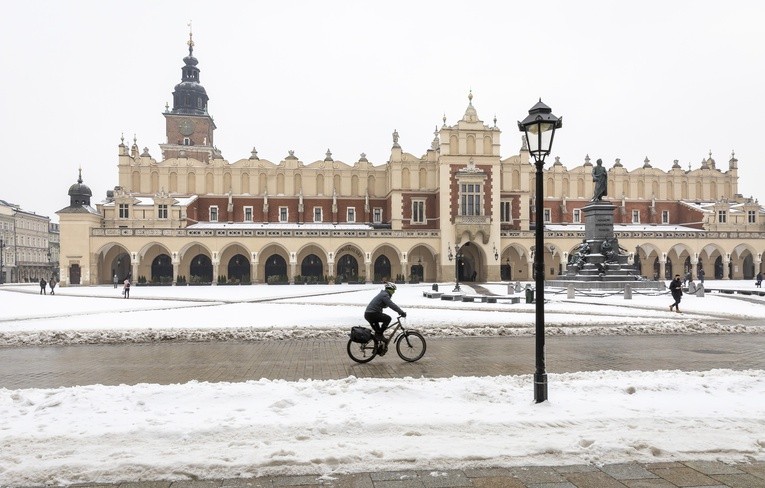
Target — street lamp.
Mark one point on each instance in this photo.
(539, 128)
(2, 264)
(457, 257)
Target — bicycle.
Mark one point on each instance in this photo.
(410, 345)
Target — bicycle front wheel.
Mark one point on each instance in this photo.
(410, 346)
(362, 352)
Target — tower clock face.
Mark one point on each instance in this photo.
(186, 127)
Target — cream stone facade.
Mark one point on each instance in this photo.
(461, 208)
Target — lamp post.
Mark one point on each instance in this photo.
(457, 257)
(539, 128)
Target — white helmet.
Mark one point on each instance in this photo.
(390, 286)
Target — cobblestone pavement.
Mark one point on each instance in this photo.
(42, 367)
(167, 363)
(707, 474)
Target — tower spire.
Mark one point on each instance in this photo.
(190, 41)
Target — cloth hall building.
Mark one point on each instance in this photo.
(461, 208)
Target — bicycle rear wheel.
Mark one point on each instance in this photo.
(362, 352)
(410, 346)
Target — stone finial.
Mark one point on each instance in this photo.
(254, 153)
(647, 163)
(329, 156)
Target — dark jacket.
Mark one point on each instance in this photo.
(381, 301)
(676, 287)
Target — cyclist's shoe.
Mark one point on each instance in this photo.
(382, 349)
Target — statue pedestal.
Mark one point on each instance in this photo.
(599, 258)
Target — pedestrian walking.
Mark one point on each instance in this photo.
(42, 286)
(676, 288)
(758, 283)
(115, 280)
(52, 286)
(701, 276)
(126, 289)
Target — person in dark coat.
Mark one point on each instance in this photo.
(676, 288)
(42, 286)
(374, 312)
(52, 285)
(758, 283)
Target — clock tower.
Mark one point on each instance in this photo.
(188, 126)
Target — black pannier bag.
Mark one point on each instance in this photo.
(361, 334)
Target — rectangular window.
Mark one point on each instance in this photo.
(577, 216)
(722, 216)
(505, 208)
(213, 213)
(665, 216)
(248, 214)
(752, 216)
(636, 216)
(186, 141)
(351, 215)
(317, 214)
(377, 215)
(124, 211)
(470, 199)
(418, 212)
(548, 216)
(284, 214)
(161, 211)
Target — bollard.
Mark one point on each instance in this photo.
(700, 291)
(510, 289)
(627, 292)
(691, 287)
(570, 292)
(435, 287)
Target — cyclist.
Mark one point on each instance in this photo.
(374, 312)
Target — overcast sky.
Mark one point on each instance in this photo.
(657, 79)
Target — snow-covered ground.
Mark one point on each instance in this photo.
(95, 433)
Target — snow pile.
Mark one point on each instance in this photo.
(226, 430)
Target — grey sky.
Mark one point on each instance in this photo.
(659, 79)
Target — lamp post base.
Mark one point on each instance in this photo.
(540, 387)
(456, 288)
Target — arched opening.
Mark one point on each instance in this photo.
(382, 269)
(748, 267)
(312, 268)
(201, 269)
(276, 269)
(239, 268)
(718, 268)
(348, 268)
(162, 269)
(121, 266)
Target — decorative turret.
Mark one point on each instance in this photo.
(79, 194)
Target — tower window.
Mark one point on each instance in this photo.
(162, 211)
(377, 215)
(577, 219)
(722, 217)
(284, 214)
(248, 214)
(418, 212)
(504, 211)
(351, 215)
(213, 213)
(665, 216)
(752, 216)
(124, 211)
(470, 199)
(317, 214)
(186, 141)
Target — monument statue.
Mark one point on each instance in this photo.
(600, 177)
